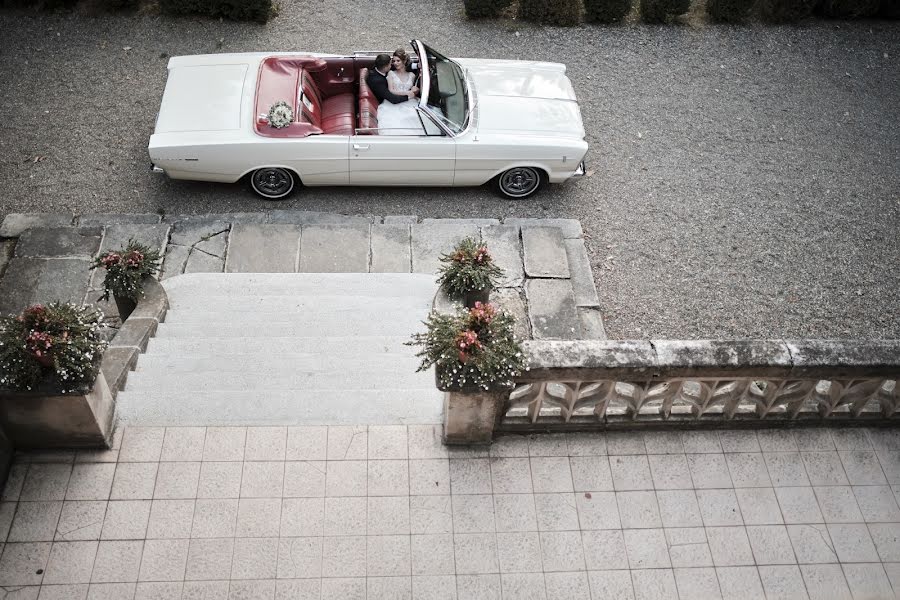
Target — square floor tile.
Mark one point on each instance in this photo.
(429, 477)
(591, 473)
(730, 546)
(432, 554)
(812, 544)
(262, 480)
(597, 510)
(345, 588)
(348, 443)
(35, 522)
(164, 560)
(473, 513)
(302, 517)
(515, 512)
(426, 441)
(224, 443)
(388, 478)
(719, 508)
(214, 518)
(631, 473)
(739, 583)
(647, 549)
(220, 480)
(266, 444)
(824, 468)
(345, 516)
(300, 557)
(70, 562)
(389, 515)
(783, 582)
(670, 472)
(117, 591)
(701, 442)
(551, 474)
(739, 441)
(80, 520)
(519, 552)
(877, 503)
(202, 590)
(46, 482)
(91, 481)
(825, 582)
(134, 481)
(556, 512)
(759, 506)
(748, 469)
(475, 553)
(117, 562)
(548, 444)
(688, 547)
(430, 514)
(586, 444)
(771, 545)
(523, 586)
(23, 564)
(604, 550)
(346, 478)
(388, 442)
(777, 440)
(852, 543)
(304, 479)
(562, 551)
(638, 509)
(298, 589)
(799, 505)
(126, 520)
(344, 556)
(654, 583)
(611, 585)
(388, 588)
(813, 440)
(697, 583)
(388, 555)
(709, 471)
(209, 558)
(887, 540)
(511, 475)
(624, 443)
(258, 517)
(786, 469)
(306, 443)
(868, 581)
(573, 586)
(851, 439)
(183, 444)
(177, 480)
(679, 508)
(838, 504)
(863, 468)
(255, 558)
(251, 590)
(142, 444)
(663, 442)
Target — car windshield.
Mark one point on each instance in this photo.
(447, 92)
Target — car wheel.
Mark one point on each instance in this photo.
(519, 182)
(272, 183)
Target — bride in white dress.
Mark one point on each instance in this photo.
(399, 119)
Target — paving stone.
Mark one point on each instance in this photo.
(391, 248)
(759, 506)
(432, 554)
(170, 519)
(515, 512)
(45, 482)
(470, 476)
(638, 509)
(334, 249)
(544, 253)
(30, 281)
(425, 441)
(431, 240)
(582, 276)
(70, 562)
(697, 583)
(611, 585)
(183, 444)
(868, 581)
(786, 468)
(771, 545)
(825, 581)
(304, 479)
(877, 503)
(862, 468)
(729, 546)
(255, 558)
(298, 589)
(389, 515)
(223, 480)
(719, 507)
(688, 547)
(345, 516)
(80, 520)
(344, 556)
(116, 236)
(117, 562)
(388, 555)
(591, 320)
(429, 477)
(782, 582)
(388, 588)
(261, 479)
(204, 590)
(852, 543)
(299, 557)
(511, 301)
(654, 584)
(747, 469)
(14, 224)
(562, 551)
(116, 591)
(400, 219)
(739, 583)
(591, 473)
(7, 511)
(214, 518)
(838, 504)
(678, 508)
(258, 517)
(519, 552)
(551, 309)
(887, 540)
(126, 520)
(345, 588)
(567, 585)
(556, 512)
(346, 478)
(812, 544)
(570, 228)
(646, 548)
(224, 443)
(23, 564)
(306, 443)
(179, 480)
(523, 586)
(348, 443)
(263, 249)
(701, 442)
(505, 246)
(824, 468)
(308, 217)
(631, 472)
(604, 549)
(35, 522)
(57, 242)
(670, 472)
(201, 262)
(475, 553)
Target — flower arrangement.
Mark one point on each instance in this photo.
(60, 342)
(469, 268)
(475, 347)
(126, 269)
(280, 115)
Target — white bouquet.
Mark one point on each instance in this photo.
(280, 115)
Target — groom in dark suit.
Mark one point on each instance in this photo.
(377, 80)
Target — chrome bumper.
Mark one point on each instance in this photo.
(155, 169)
(579, 172)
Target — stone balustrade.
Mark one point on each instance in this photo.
(638, 384)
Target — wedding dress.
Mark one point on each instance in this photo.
(399, 119)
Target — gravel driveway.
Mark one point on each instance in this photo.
(745, 179)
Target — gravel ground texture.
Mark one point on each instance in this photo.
(745, 180)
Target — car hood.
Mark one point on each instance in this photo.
(524, 97)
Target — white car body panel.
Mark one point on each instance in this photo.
(525, 114)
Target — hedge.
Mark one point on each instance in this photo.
(729, 11)
(849, 9)
(551, 12)
(479, 9)
(236, 10)
(785, 11)
(657, 11)
(606, 11)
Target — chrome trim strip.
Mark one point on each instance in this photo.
(579, 172)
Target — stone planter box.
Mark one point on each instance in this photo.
(46, 420)
(471, 417)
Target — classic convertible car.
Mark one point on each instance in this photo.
(514, 123)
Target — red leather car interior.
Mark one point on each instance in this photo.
(368, 106)
(335, 115)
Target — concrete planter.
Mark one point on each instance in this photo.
(42, 419)
(471, 416)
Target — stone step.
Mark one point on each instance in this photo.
(365, 325)
(274, 363)
(349, 347)
(348, 378)
(290, 306)
(184, 288)
(306, 407)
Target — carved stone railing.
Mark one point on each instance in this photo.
(638, 384)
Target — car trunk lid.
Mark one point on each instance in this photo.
(202, 98)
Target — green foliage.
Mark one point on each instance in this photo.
(469, 268)
(236, 10)
(849, 9)
(126, 269)
(657, 11)
(785, 11)
(551, 12)
(480, 9)
(606, 11)
(473, 348)
(729, 11)
(59, 344)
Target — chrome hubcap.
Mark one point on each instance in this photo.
(519, 182)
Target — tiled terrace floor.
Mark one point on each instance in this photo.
(387, 512)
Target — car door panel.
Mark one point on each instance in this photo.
(402, 160)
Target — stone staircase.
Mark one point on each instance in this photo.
(284, 348)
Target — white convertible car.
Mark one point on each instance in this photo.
(514, 123)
